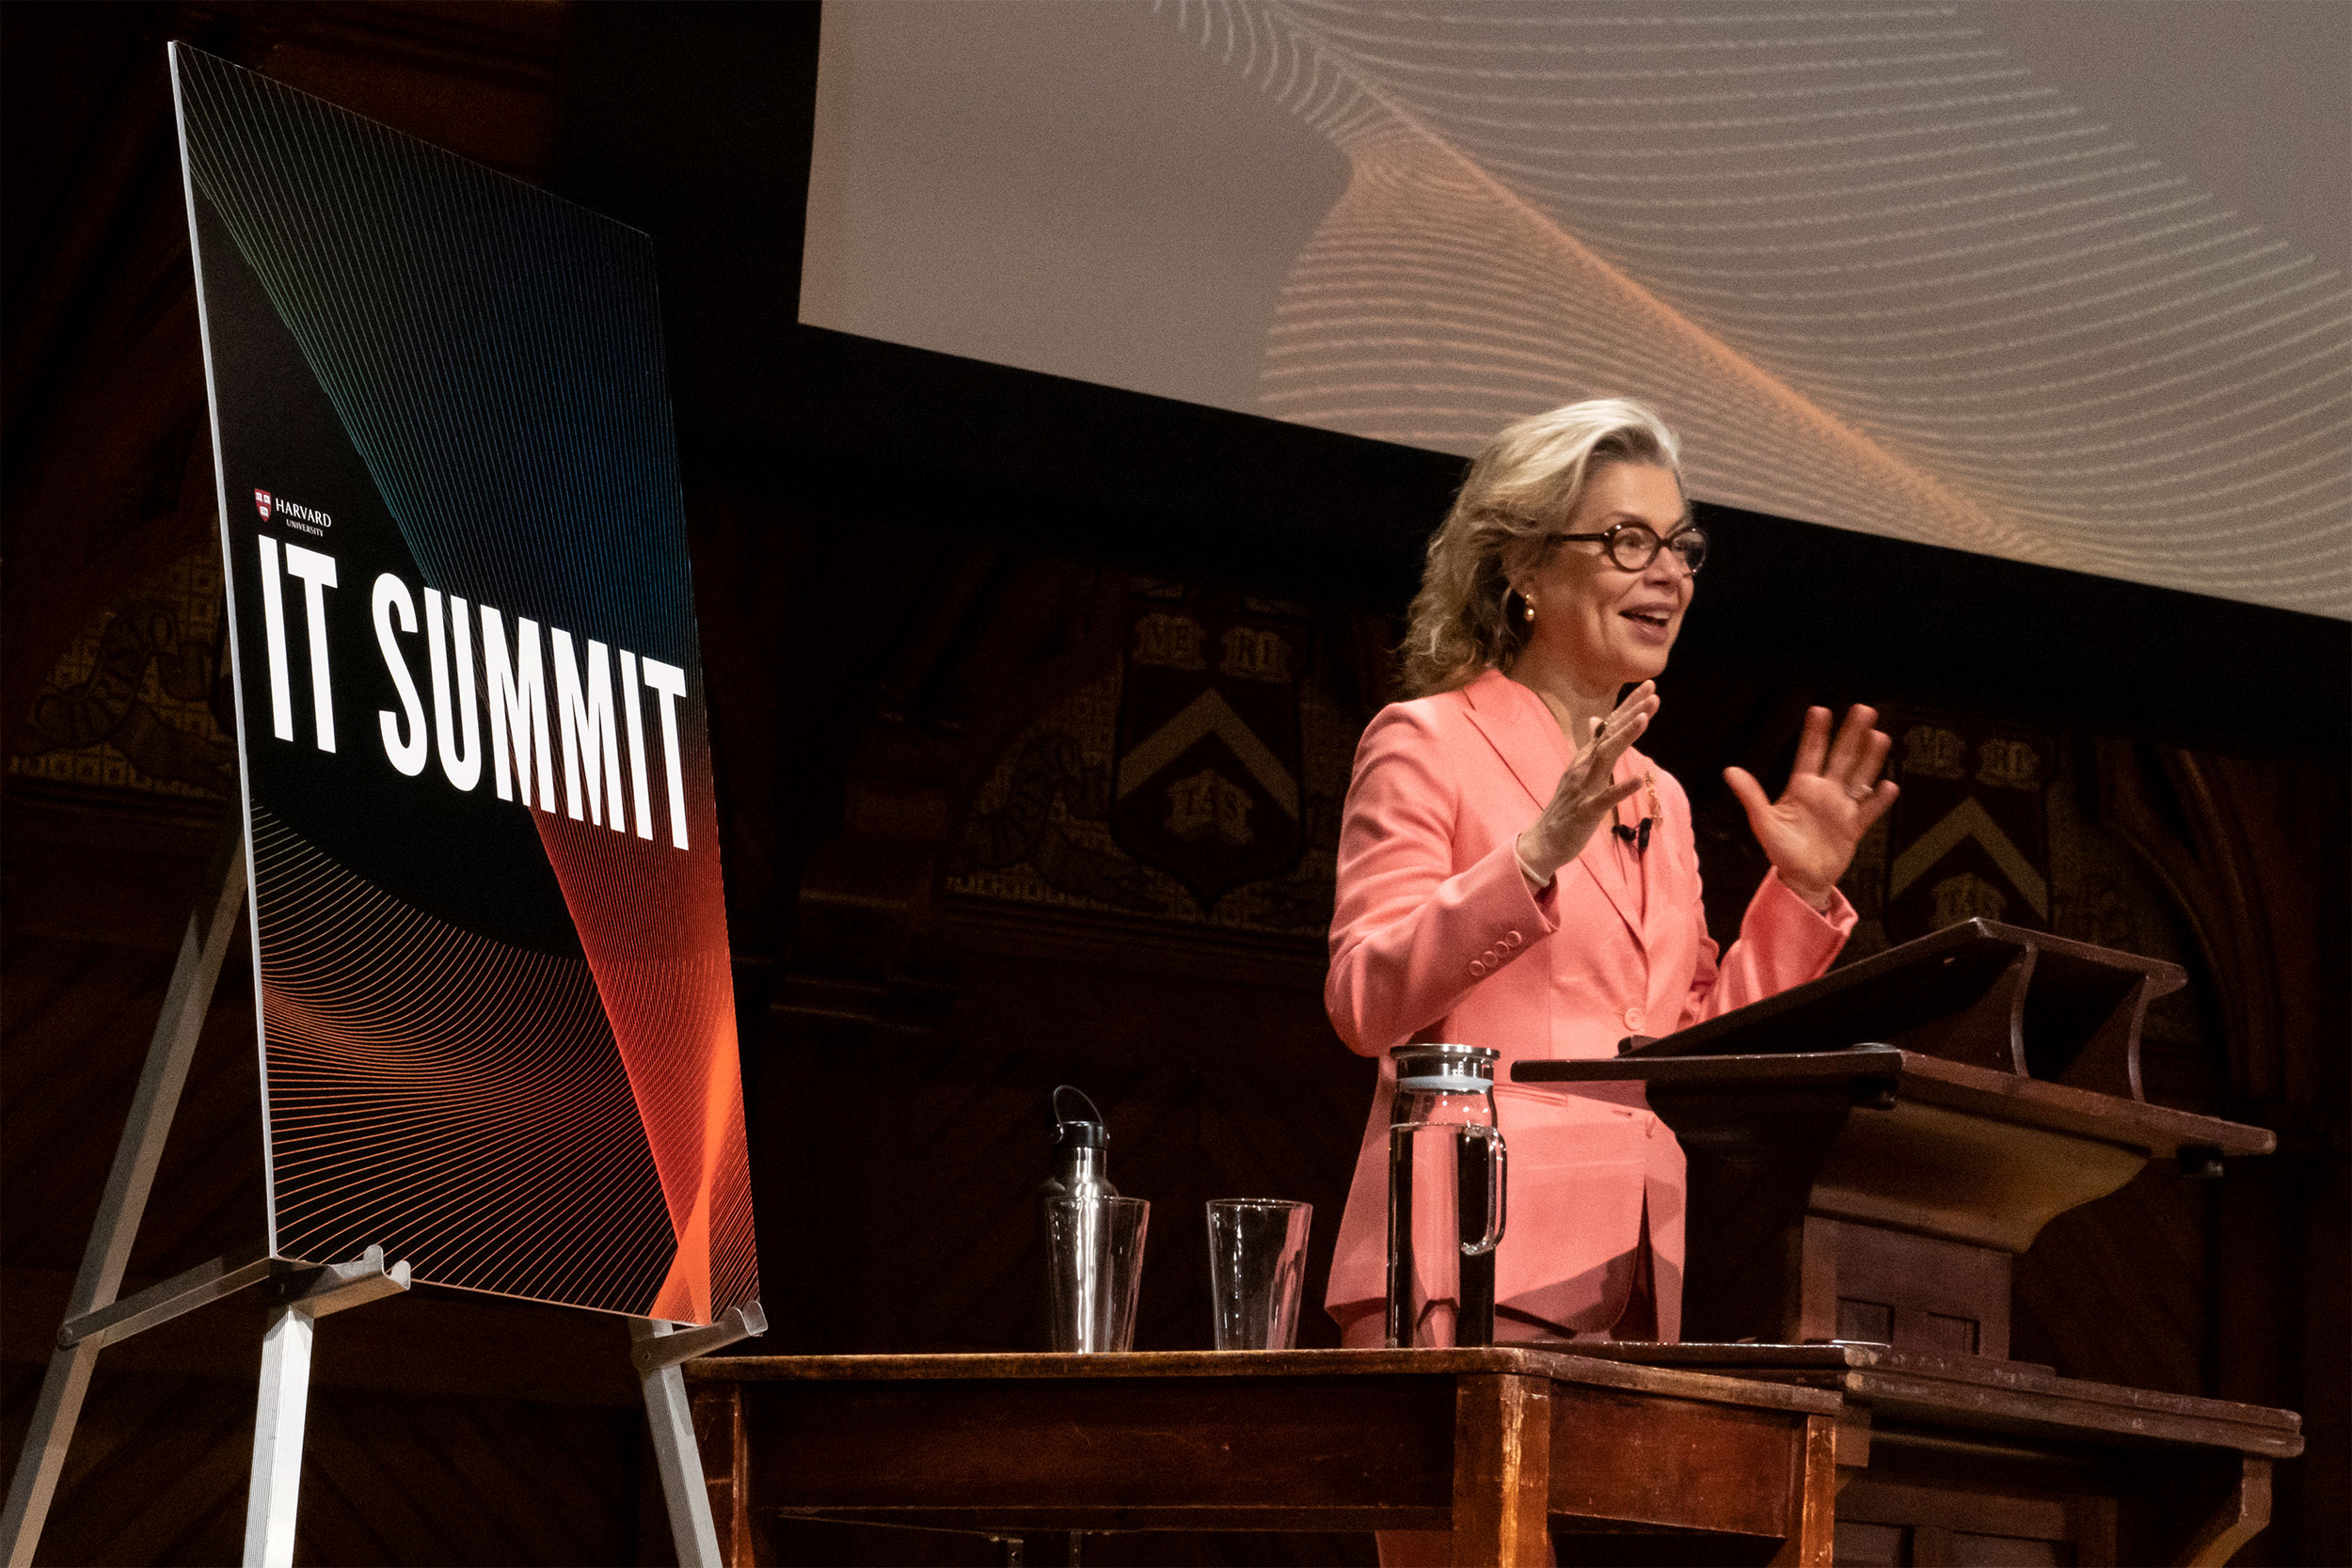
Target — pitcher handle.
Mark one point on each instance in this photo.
(1497, 1192)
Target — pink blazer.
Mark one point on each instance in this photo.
(1437, 937)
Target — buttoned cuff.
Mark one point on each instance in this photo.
(1840, 917)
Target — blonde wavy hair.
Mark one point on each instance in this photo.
(1520, 489)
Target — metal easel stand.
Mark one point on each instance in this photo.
(300, 1295)
(298, 1300)
(95, 1318)
(661, 1348)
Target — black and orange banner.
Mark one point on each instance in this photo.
(498, 1030)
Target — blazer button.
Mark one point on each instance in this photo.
(1478, 966)
(1512, 938)
(1633, 1018)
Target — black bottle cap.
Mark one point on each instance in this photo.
(1086, 1132)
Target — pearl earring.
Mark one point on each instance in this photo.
(1527, 609)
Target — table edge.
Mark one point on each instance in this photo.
(1558, 1366)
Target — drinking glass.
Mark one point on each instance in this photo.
(1257, 1268)
(1094, 1262)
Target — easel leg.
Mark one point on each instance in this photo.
(659, 1351)
(679, 1457)
(153, 1106)
(284, 1405)
(277, 1419)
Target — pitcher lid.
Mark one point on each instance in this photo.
(1446, 1069)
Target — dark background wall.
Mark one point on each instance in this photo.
(919, 581)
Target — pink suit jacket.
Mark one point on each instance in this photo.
(1437, 937)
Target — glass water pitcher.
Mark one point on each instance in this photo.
(1448, 1182)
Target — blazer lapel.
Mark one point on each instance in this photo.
(1651, 866)
(1520, 729)
(1524, 735)
(1600, 857)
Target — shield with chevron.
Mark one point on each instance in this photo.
(1205, 778)
(1969, 836)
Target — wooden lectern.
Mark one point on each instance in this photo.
(1868, 1155)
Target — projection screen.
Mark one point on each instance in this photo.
(2064, 284)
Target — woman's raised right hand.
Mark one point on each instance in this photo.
(1588, 792)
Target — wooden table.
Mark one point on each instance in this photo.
(1966, 1459)
(1495, 1445)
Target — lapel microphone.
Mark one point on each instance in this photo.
(1639, 837)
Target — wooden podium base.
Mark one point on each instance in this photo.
(1968, 1460)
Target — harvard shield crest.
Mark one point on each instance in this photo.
(1205, 779)
(1968, 837)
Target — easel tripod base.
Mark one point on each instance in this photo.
(300, 1295)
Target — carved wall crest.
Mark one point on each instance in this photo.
(1206, 764)
(140, 700)
(1195, 779)
(1969, 836)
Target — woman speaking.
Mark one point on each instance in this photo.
(1514, 874)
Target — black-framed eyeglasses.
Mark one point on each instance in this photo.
(1634, 546)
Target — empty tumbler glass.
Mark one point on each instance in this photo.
(1094, 1263)
(1257, 1270)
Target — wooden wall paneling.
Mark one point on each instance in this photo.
(79, 1058)
(155, 1474)
(77, 1017)
(477, 78)
(2280, 1335)
(107, 471)
(2254, 854)
(49, 1148)
(2249, 850)
(477, 1480)
(108, 467)
(391, 1475)
(190, 1482)
(1209, 1089)
(751, 629)
(1201, 1085)
(116, 867)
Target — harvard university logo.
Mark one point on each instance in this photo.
(293, 514)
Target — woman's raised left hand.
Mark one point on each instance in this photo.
(1834, 794)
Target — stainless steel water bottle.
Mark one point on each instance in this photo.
(1080, 1144)
(1093, 1238)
